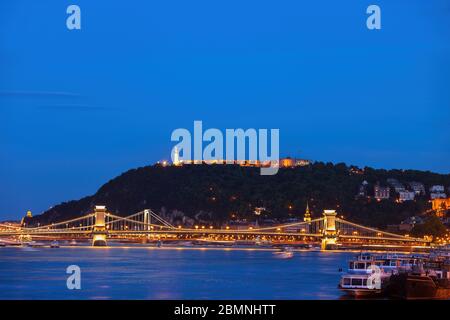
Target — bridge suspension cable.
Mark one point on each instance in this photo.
(87, 218)
(118, 219)
(376, 231)
(281, 226)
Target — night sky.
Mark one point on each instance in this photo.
(79, 107)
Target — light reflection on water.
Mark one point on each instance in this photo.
(151, 273)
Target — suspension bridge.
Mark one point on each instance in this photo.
(100, 226)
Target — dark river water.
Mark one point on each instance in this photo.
(169, 273)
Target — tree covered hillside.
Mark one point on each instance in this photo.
(218, 193)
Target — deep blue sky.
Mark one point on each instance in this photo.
(79, 107)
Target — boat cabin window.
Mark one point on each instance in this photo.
(360, 265)
(387, 263)
(346, 281)
(357, 282)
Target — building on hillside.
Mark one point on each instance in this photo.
(398, 187)
(282, 163)
(440, 204)
(406, 196)
(289, 162)
(417, 187)
(362, 191)
(437, 195)
(302, 162)
(286, 162)
(380, 192)
(437, 189)
(356, 170)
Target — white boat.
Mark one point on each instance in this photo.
(359, 285)
(285, 253)
(369, 274)
(72, 242)
(262, 243)
(34, 244)
(54, 244)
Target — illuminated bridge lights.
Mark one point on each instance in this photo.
(329, 230)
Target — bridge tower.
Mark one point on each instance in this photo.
(99, 231)
(329, 235)
(147, 221)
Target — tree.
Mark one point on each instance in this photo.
(432, 226)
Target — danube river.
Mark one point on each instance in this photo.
(169, 273)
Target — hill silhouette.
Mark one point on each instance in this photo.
(217, 193)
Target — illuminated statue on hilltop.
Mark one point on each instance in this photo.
(176, 157)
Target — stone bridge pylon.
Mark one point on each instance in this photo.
(329, 234)
(99, 231)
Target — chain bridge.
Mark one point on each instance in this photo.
(100, 226)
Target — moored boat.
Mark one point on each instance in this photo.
(35, 244)
(263, 242)
(409, 285)
(54, 244)
(427, 280)
(369, 275)
(284, 253)
(364, 285)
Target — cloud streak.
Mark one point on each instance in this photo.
(73, 107)
(38, 94)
